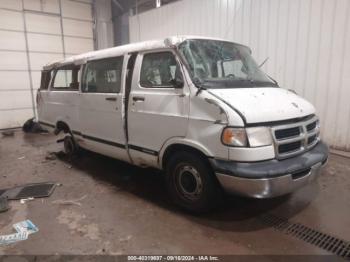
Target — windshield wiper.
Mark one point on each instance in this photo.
(276, 83)
(257, 82)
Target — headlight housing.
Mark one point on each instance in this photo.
(234, 137)
(244, 137)
(259, 136)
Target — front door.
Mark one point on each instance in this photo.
(101, 103)
(158, 109)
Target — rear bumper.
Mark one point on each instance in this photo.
(271, 178)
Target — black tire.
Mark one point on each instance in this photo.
(192, 183)
(70, 147)
(28, 125)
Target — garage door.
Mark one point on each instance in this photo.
(33, 33)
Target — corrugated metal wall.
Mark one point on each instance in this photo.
(307, 42)
(103, 24)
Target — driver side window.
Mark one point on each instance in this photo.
(159, 70)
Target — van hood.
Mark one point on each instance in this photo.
(262, 104)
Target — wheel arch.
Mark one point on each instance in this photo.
(62, 126)
(175, 145)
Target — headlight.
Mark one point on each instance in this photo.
(259, 136)
(239, 137)
(234, 137)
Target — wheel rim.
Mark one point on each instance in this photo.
(189, 183)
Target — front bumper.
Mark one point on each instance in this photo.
(267, 179)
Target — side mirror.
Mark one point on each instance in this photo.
(177, 83)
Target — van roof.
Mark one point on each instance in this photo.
(124, 49)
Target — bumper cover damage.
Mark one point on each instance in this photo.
(272, 178)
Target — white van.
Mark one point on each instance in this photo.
(198, 108)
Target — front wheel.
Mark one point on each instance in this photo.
(191, 182)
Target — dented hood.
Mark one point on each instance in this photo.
(265, 104)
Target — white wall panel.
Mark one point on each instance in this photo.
(11, 4)
(76, 10)
(78, 45)
(38, 60)
(77, 28)
(44, 43)
(51, 6)
(19, 99)
(12, 40)
(307, 42)
(43, 23)
(32, 5)
(36, 77)
(13, 61)
(48, 6)
(11, 80)
(11, 20)
(37, 40)
(15, 117)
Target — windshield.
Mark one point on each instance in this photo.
(220, 64)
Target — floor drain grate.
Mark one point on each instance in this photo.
(329, 243)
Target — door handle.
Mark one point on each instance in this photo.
(111, 98)
(138, 98)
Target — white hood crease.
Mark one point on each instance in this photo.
(265, 104)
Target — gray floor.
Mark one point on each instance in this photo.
(108, 207)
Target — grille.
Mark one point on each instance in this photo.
(31, 190)
(314, 237)
(295, 138)
(311, 139)
(287, 133)
(37, 190)
(290, 147)
(311, 126)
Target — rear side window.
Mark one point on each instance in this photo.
(66, 78)
(158, 70)
(103, 76)
(45, 79)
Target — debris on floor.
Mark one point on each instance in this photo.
(27, 226)
(35, 190)
(23, 228)
(31, 126)
(12, 238)
(24, 200)
(125, 239)
(22, 157)
(4, 206)
(70, 202)
(68, 166)
(51, 156)
(8, 133)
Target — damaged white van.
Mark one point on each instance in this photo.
(200, 109)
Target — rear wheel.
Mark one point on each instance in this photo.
(191, 182)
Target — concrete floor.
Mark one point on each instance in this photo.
(121, 209)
